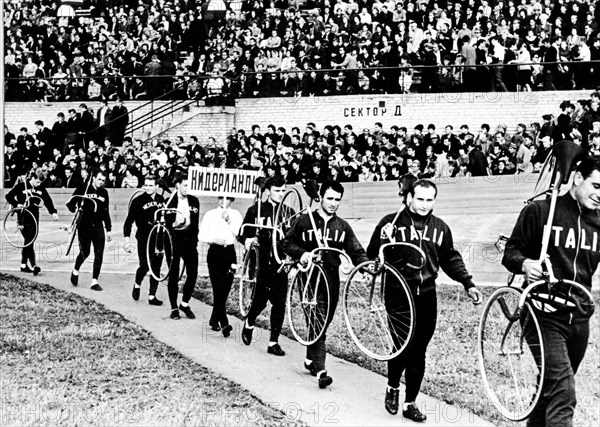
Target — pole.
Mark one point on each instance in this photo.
(2, 96)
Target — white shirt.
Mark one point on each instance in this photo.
(184, 207)
(214, 227)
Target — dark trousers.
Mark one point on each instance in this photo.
(219, 260)
(28, 233)
(89, 235)
(317, 352)
(565, 347)
(497, 79)
(142, 270)
(186, 250)
(412, 359)
(270, 286)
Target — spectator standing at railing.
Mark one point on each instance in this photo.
(119, 122)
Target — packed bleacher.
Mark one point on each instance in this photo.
(215, 48)
(64, 155)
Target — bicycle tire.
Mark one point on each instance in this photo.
(15, 221)
(379, 311)
(73, 229)
(247, 280)
(511, 354)
(309, 304)
(287, 211)
(159, 252)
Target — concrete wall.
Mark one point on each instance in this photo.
(409, 110)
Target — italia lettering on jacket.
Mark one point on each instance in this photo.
(568, 238)
(428, 234)
(336, 236)
(267, 221)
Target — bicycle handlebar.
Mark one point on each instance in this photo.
(165, 210)
(268, 227)
(314, 254)
(578, 307)
(83, 198)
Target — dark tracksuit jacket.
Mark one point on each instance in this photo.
(574, 252)
(434, 237)
(142, 212)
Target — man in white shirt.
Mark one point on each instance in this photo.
(219, 228)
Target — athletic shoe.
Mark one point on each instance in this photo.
(391, 400)
(413, 413)
(96, 287)
(276, 350)
(214, 326)
(26, 269)
(311, 368)
(155, 301)
(74, 279)
(325, 380)
(36, 270)
(175, 314)
(227, 330)
(247, 335)
(187, 311)
(135, 294)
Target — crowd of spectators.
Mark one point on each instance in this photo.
(274, 48)
(333, 152)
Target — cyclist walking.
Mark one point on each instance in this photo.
(335, 233)
(271, 284)
(185, 246)
(94, 219)
(417, 225)
(575, 254)
(19, 196)
(142, 211)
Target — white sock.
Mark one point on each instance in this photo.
(308, 362)
(94, 282)
(391, 388)
(321, 373)
(137, 286)
(151, 297)
(247, 326)
(184, 304)
(75, 272)
(23, 265)
(272, 343)
(405, 405)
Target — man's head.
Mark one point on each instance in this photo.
(99, 179)
(276, 187)
(331, 195)
(181, 184)
(421, 197)
(586, 183)
(150, 185)
(225, 201)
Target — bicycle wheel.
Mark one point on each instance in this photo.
(379, 311)
(247, 279)
(308, 304)
(511, 354)
(287, 212)
(20, 227)
(159, 252)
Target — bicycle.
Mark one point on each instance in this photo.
(378, 306)
(19, 219)
(250, 263)
(72, 229)
(511, 349)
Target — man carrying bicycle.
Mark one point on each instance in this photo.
(271, 283)
(418, 226)
(574, 250)
(95, 218)
(336, 233)
(21, 196)
(141, 212)
(185, 226)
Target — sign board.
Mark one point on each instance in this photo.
(239, 183)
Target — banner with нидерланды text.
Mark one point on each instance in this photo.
(205, 181)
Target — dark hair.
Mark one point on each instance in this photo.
(588, 166)
(405, 184)
(333, 185)
(39, 122)
(179, 178)
(149, 177)
(425, 183)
